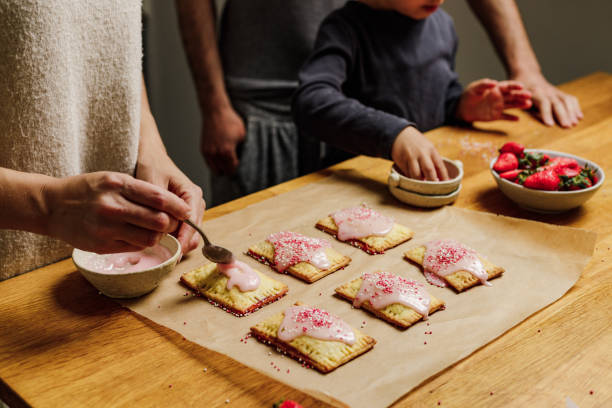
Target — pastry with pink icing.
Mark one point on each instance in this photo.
(398, 300)
(304, 257)
(236, 287)
(365, 228)
(448, 262)
(313, 336)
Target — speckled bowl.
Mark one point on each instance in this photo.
(132, 284)
(548, 201)
(455, 173)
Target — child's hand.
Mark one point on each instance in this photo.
(417, 157)
(487, 99)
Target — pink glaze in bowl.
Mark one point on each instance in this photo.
(128, 283)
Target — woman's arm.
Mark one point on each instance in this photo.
(155, 166)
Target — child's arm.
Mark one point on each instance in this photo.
(322, 110)
(486, 100)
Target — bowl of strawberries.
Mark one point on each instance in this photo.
(544, 180)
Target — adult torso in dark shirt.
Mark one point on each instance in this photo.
(401, 66)
(270, 39)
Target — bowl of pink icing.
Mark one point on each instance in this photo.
(129, 274)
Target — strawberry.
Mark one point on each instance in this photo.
(511, 174)
(287, 404)
(506, 162)
(546, 179)
(565, 166)
(514, 148)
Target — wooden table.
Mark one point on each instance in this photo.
(62, 344)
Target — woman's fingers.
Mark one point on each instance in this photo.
(155, 197)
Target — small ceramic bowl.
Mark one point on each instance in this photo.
(424, 200)
(130, 284)
(455, 173)
(548, 201)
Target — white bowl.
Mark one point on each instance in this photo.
(548, 201)
(131, 284)
(424, 200)
(455, 172)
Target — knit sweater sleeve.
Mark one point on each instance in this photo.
(321, 109)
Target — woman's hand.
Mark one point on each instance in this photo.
(167, 176)
(486, 100)
(417, 157)
(108, 212)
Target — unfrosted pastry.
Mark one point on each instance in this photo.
(398, 300)
(304, 257)
(447, 261)
(313, 336)
(236, 288)
(366, 229)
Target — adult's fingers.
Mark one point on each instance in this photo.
(155, 197)
(135, 236)
(570, 108)
(112, 247)
(544, 105)
(144, 217)
(561, 114)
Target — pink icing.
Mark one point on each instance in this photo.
(446, 256)
(291, 248)
(383, 289)
(360, 222)
(126, 262)
(314, 322)
(239, 274)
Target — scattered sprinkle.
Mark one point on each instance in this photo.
(205, 369)
(591, 392)
(491, 393)
(227, 401)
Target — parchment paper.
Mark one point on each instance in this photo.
(542, 262)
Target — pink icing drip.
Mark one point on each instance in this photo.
(314, 322)
(360, 222)
(239, 274)
(291, 248)
(447, 256)
(383, 289)
(126, 262)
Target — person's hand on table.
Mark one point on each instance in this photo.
(222, 132)
(107, 212)
(417, 157)
(487, 99)
(550, 102)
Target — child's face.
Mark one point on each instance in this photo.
(417, 9)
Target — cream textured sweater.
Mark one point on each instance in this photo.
(70, 83)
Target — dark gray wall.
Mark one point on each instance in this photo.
(571, 38)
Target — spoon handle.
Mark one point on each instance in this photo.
(192, 225)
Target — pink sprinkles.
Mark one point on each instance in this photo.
(291, 248)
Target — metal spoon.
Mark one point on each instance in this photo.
(212, 252)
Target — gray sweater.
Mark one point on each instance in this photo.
(372, 73)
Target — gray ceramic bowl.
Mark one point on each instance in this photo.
(132, 284)
(455, 172)
(548, 201)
